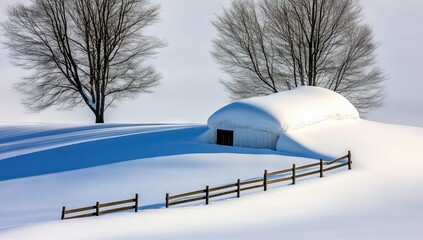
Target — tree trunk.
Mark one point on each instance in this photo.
(99, 118)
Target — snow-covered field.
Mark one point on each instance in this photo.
(45, 167)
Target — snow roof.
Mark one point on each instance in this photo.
(284, 111)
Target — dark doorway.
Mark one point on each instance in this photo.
(225, 137)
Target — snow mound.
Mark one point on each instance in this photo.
(285, 111)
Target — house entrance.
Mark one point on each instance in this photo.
(225, 137)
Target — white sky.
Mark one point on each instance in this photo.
(190, 90)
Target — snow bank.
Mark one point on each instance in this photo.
(285, 111)
(39, 147)
(40, 182)
(379, 199)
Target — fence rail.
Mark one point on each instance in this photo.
(268, 178)
(206, 194)
(96, 209)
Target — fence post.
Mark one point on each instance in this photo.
(238, 188)
(321, 168)
(207, 195)
(293, 173)
(265, 180)
(63, 212)
(167, 200)
(136, 202)
(349, 160)
(97, 209)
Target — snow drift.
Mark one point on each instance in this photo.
(259, 122)
(379, 199)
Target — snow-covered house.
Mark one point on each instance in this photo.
(259, 122)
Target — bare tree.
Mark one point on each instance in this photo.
(245, 51)
(291, 43)
(82, 51)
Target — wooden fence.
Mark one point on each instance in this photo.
(96, 209)
(289, 174)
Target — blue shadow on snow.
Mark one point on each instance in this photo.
(125, 148)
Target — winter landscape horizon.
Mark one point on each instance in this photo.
(324, 168)
(191, 77)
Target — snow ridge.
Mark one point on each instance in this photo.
(285, 111)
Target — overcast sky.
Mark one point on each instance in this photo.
(190, 90)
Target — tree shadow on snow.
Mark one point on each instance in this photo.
(182, 140)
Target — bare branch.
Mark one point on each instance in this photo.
(88, 52)
(273, 45)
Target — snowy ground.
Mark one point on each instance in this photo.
(381, 198)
